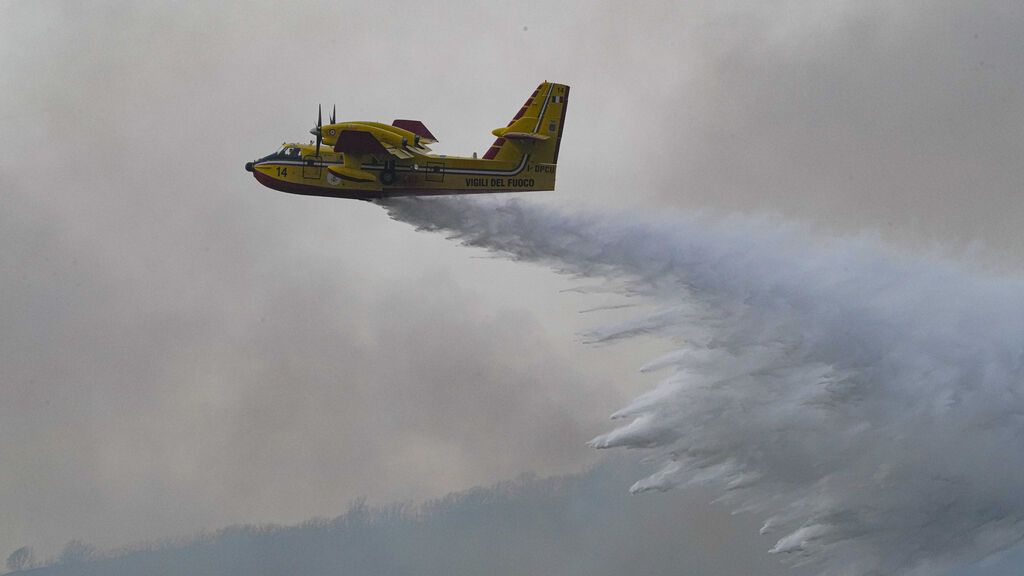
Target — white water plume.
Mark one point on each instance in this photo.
(868, 405)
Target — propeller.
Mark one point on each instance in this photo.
(319, 124)
(318, 130)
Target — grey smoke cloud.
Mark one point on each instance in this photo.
(183, 349)
(894, 117)
(179, 345)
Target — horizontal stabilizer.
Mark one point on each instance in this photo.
(520, 129)
(417, 128)
(358, 142)
(523, 136)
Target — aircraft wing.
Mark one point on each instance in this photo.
(364, 143)
(417, 128)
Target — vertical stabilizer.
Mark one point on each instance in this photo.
(536, 129)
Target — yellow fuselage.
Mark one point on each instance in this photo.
(304, 172)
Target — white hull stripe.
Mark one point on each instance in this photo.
(489, 172)
(493, 172)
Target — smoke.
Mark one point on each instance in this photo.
(866, 403)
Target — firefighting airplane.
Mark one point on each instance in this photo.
(370, 160)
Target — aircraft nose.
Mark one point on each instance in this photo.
(248, 166)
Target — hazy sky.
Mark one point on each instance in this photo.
(182, 348)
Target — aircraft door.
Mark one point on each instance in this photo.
(313, 167)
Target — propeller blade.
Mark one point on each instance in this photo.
(333, 110)
(319, 125)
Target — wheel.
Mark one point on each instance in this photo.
(388, 177)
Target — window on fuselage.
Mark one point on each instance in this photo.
(281, 152)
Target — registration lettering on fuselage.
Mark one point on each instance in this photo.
(500, 182)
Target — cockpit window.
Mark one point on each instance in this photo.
(284, 152)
